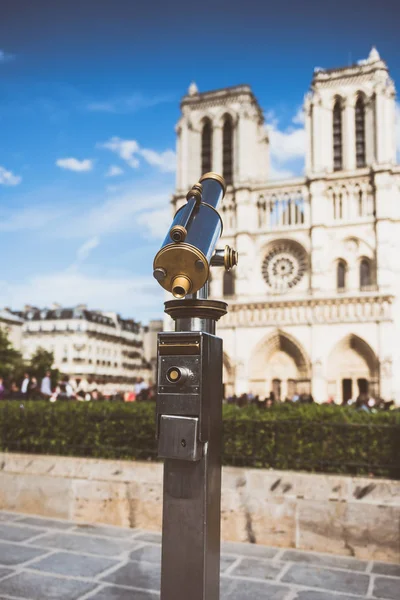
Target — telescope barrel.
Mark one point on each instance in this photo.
(182, 264)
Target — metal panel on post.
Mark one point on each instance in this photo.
(189, 398)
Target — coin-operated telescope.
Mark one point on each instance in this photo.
(189, 396)
(182, 265)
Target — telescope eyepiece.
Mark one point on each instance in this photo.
(181, 286)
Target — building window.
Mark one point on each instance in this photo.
(360, 132)
(341, 276)
(206, 147)
(337, 136)
(365, 273)
(228, 284)
(227, 139)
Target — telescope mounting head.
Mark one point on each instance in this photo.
(182, 265)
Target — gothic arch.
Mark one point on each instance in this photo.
(352, 360)
(206, 145)
(293, 363)
(228, 372)
(219, 118)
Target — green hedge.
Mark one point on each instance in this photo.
(301, 437)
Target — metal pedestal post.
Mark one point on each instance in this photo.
(189, 429)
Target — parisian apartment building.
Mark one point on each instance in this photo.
(89, 344)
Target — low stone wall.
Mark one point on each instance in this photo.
(326, 513)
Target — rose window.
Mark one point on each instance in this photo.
(283, 267)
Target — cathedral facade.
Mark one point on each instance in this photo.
(314, 302)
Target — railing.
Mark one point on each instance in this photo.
(274, 440)
(283, 208)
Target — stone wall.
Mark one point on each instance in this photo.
(354, 516)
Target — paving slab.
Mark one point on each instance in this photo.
(14, 554)
(386, 569)
(104, 530)
(236, 589)
(387, 587)
(47, 523)
(325, 560)
(258, 569)
(40, 587)
(255, 550)
(150, 536)
(137, 575)
(74, 565)
(149, 552)
(5, 572)
(85, 543)
(18, 533)
(313, 595)
(71, 561)
(115, 593)
(329, 579)
(8, 516)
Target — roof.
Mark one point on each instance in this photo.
(94, 316)
(220, 96)
(6, 315)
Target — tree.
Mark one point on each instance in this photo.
(11, 363)
(41, 362)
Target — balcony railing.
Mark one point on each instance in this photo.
(283, 208)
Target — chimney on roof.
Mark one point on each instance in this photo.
(55, 305)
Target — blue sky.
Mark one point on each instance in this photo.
(89, 97)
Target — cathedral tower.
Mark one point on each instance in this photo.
(221, 131)
(350, 118)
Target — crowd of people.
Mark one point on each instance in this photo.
(363, 401)
(70, 389)
(85, 390)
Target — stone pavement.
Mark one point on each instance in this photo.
(48, 559)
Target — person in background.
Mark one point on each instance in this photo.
(139, 387)
(2, 389)
(63, 391)
(45, 386)
(129, 396)
(25, 385)
(82, 390)
(32, 387)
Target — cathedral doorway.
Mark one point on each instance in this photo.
(353, 370)
(347, 390)
(279, 365)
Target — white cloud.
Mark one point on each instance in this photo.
(165, 161)
(398, 129)
(299, 117)
(8, 178)
(276, 172)
(114, 212)
(287, 145)
(114, 171)
(130, 151)
(73, 164)
(5, 57)
(120, 212)
(139, 297)
(126, 149)
(86, 248)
